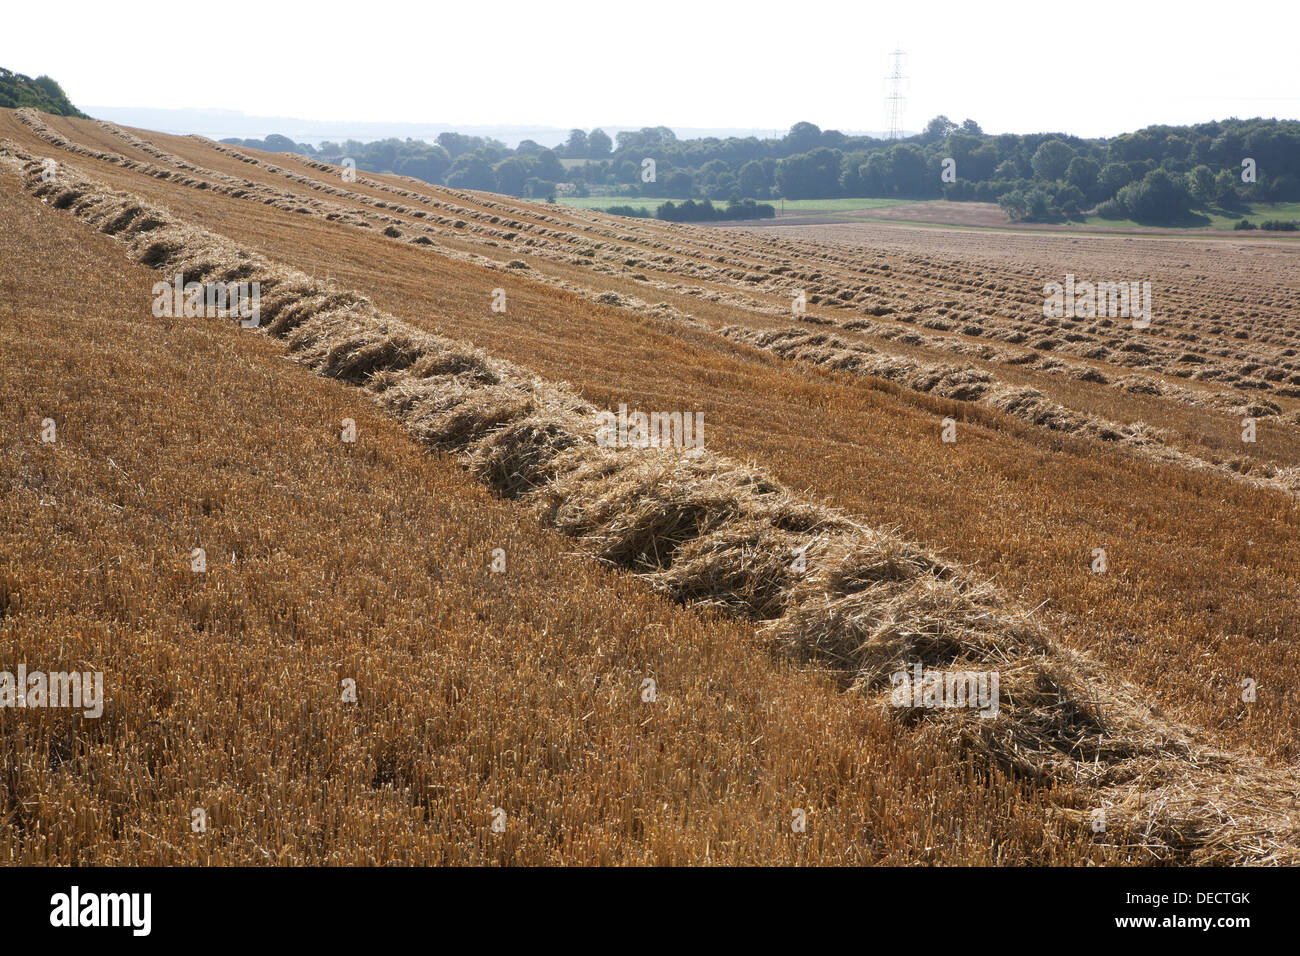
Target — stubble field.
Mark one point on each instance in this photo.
(1161, 690)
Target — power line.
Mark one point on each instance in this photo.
(894, 101)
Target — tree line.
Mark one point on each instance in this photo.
(42, 93)
(1158, 174)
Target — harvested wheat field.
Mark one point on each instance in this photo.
(384, 575)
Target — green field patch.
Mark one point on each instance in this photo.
(600, 203)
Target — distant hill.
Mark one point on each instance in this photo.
(222, 124)
(42, 93)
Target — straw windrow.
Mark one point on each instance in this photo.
(968, 384)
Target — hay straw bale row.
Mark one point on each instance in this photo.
(968, 384)
(443, 225)
(1052, 364)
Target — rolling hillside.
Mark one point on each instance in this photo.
(497, 586)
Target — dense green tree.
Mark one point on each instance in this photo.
(1052, 159)
(1113, 177)
(1082, 174)
(905, 173)
(275, 143)
(1200, 183)
(833, 139)
(980, 164)
(42, 93)
(649, 140)
(511, 175)
(802, 138)
(471, 172)
(679, 184)
(960, 145)
(599, 144)
(1070, 199)
(874, 175)
(1158, 198)
(456, 144)
(383, 155)
(576, 146)
(431, 165)
(1284, 188)
(1031, 205)
(813, 175)
(754, 180)
(938, 129)
(1007, 169)
(547, 165)
(1133, 147)
(1225, 187)
(724, 187)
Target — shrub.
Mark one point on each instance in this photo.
(691, 211)
(1157, 198)
(640, 212)
(1112, 209)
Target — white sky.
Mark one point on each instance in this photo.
(1093, 69)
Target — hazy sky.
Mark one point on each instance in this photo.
(1094, 69)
